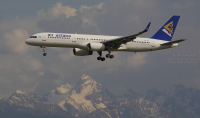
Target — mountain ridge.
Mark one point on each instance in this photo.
(89, 99)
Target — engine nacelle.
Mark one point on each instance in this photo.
(80, 52)
(96, 46)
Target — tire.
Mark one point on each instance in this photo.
(44, 54)
(98, 58)
(111, 56)
(102, 59)
(107, 56)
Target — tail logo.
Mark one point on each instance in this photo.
(168, 29)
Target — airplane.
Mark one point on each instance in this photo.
(84, 45)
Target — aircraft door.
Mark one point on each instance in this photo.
(152, 44)
(74, 39)
(43, 38)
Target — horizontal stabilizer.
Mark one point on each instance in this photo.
(172, 42)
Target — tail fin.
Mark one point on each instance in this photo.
(166, 32)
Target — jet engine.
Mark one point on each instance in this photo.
(96, 46)
(80, 52)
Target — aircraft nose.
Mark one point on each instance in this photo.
(27, 41)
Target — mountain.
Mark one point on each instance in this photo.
(87, 96)
(89, 99)
(181, 101)
(82, 99)
(136, 107)
(57, 95)
(21, 104)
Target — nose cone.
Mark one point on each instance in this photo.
(27, 41)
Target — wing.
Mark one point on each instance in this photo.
(115, 43)
(172, 42)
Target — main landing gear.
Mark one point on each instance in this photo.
(103, 58)
(100, 56)
(109, 56)
(44, 51)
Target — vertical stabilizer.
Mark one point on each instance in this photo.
(166, 32)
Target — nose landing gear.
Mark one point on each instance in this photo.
(44, 54)
(44, 51)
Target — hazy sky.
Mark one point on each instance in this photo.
(23, 67)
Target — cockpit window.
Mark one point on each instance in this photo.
(33, 37)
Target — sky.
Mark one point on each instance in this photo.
(23, 67)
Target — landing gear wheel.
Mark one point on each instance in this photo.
(108, 55)
(102, 59)
(44, 54)
(111, 56)
(44, 50)
(98, 58)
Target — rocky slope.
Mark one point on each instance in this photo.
(21, 104)
(180, 100)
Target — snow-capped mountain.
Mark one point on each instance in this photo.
(61, 90)
(24, 104)
(89, 99)
(139, 107)
(55, 96)
(87, 96)
(21, 98)
(181, 101)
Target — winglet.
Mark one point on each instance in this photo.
(147, 28)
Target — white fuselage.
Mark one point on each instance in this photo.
(81, 40)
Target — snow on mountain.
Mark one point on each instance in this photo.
(22, 104)
(139, 107)
(180, 100)
(22, 99)
(87, 96)
(77, 98)
(19, 92)
(55, 96)
(89, 99)
(59, 94)
(62, 89)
